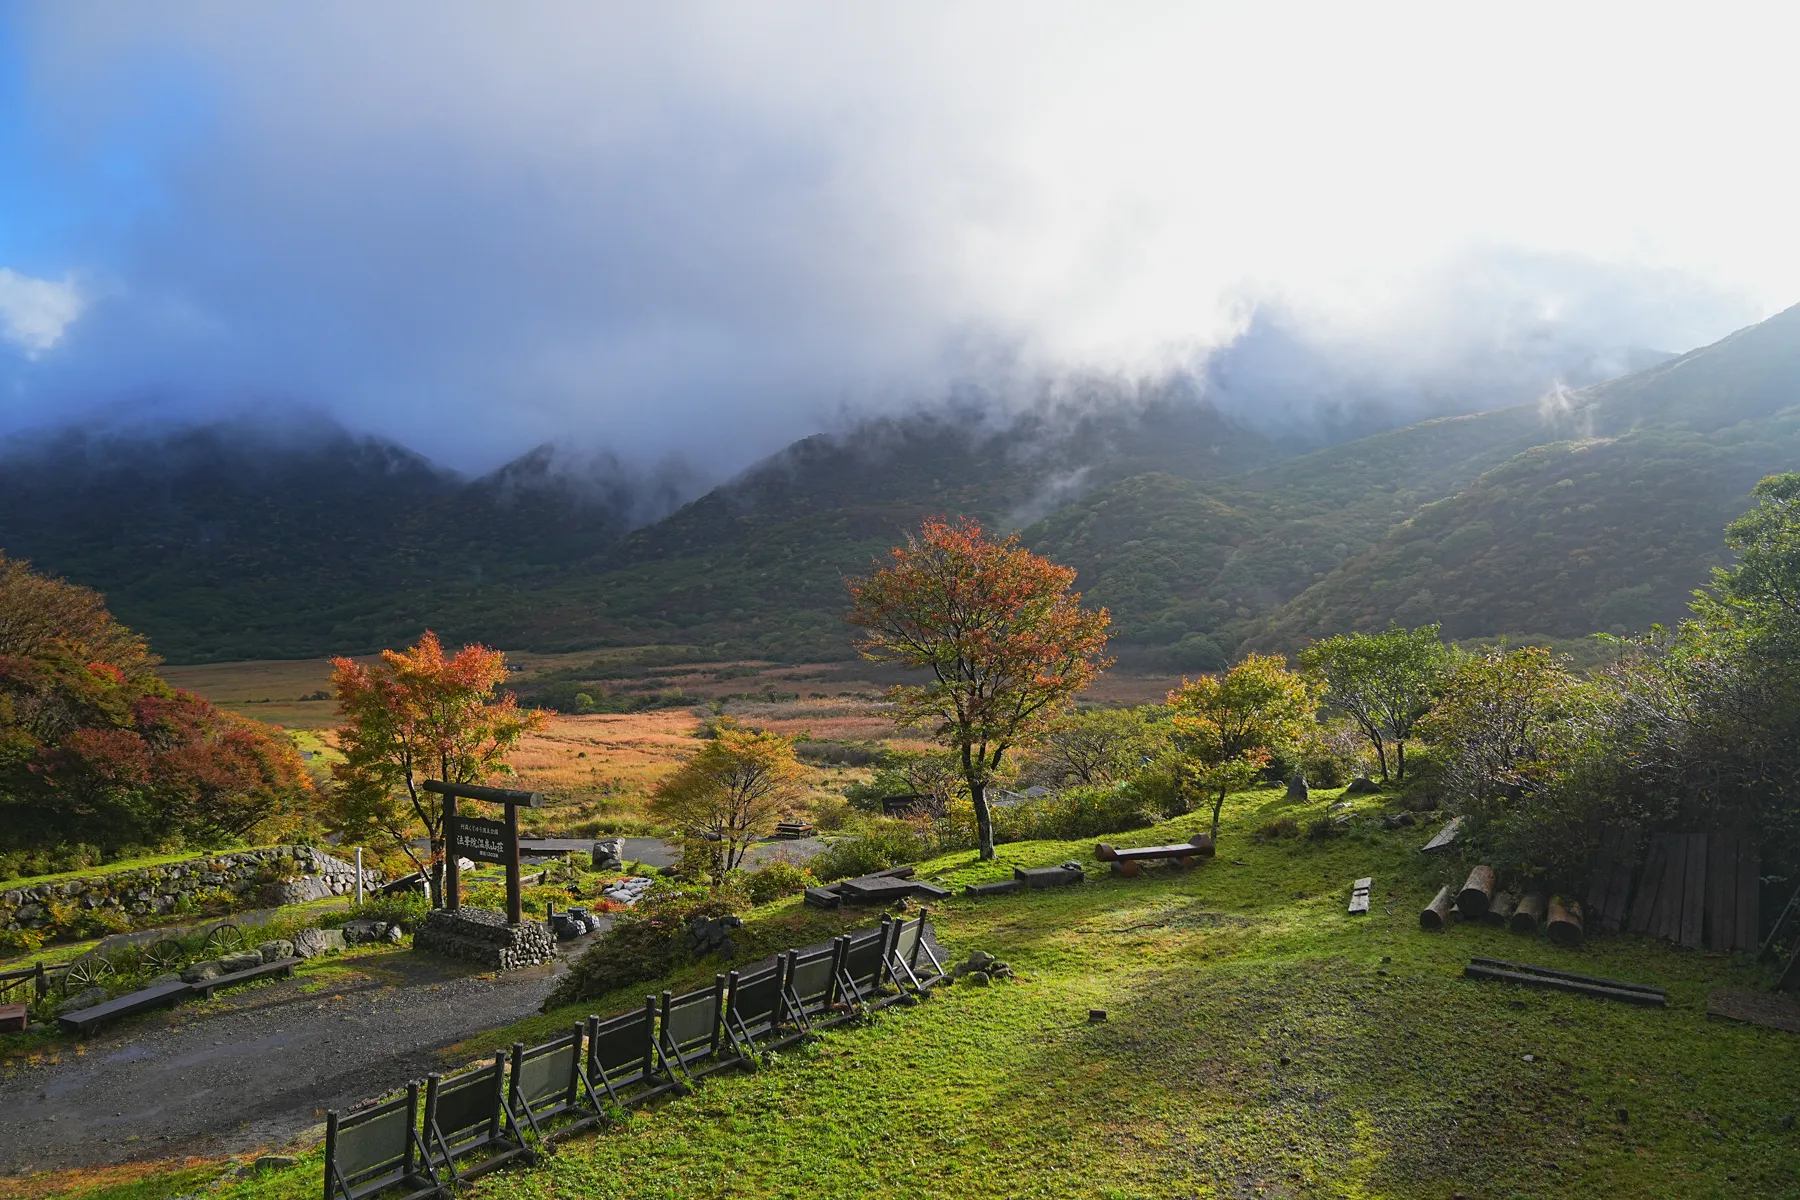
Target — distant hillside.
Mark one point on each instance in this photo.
(1609, 530)
(224, 542)
(1601, 509)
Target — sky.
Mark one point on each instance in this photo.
(702, 230)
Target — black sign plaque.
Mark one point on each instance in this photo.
(483, 840)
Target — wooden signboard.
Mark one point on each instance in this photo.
(483, 840)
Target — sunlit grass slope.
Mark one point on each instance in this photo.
(1258, 1042)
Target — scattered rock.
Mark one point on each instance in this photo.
(712, 935)
(1297, 789)
(1362, 785)
(83, 999)
(167, 977)
(1286, 1061)
(362, 931)
(273, 1162)
(395, 934)
(609, 854)
(628, 891)
(1528, 1058)
(199, 972)
(978, 978)
(1624, 1116)
(310, 943)
(1398, 820)
(279, 948)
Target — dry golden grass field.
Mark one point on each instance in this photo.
(599, 770)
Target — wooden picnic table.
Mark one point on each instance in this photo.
(1128, 860)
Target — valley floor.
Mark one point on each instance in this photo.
(1259, 1042)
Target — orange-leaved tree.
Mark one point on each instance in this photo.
(1229, 725)
(420, 714)
(1005, 639)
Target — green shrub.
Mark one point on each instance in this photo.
(877, 845)
(406, 909)
(1280, 827)
(1324, 828)
(19, 941)
(642, 945)
(771, 882)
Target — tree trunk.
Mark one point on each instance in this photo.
(1400, 757)
(1218, 807)
(984, 820)
(1381, 757)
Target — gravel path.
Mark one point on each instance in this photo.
(254, 1069)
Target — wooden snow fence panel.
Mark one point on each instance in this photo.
(1609, 888)
(1692, 931)
(1359, 896)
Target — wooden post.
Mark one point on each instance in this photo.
(42, 981)
(515, 904)
(359, 877)
(452, 896)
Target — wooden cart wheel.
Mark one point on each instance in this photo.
(166, 955)
(224, 938)
(85, 972)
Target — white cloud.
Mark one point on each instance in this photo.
(698, 227)
(35, 312)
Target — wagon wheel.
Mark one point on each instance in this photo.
(166, 955)
(85, 972)
(224, 938)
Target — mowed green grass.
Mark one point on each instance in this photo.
(1400, 1078)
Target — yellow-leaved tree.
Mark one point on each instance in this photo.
(734, 791)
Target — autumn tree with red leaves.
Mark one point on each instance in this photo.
(96, 750)
(420, 714)
(1004, 637)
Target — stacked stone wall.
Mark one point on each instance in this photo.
(277, 875)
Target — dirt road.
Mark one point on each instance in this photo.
(253, 1069)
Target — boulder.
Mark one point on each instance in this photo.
(1297, 789)
(609, 854)
(279, 948)
(977, 979)
(395, 934)
(1362, 785)
(360, 931)
(243, 960)
(83, 999)
(167, 977)
(199, 972)
(298, 891)
(310, 943)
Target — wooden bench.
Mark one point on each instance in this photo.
(1130, 860)
(14, 1017)
(794, 829)
(159, 995)
(282, 967)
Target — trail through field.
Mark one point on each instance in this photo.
(253, 1069)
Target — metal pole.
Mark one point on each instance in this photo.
(359, 890)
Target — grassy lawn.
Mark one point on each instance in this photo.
(1258, 1043)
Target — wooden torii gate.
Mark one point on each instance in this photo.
(483, 840)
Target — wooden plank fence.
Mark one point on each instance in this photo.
(1699, 890)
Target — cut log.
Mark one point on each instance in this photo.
(1564, 925)
(1500, 909)
(1530, 913)
(1555, 984)
(1437, 913)
(1472, 901)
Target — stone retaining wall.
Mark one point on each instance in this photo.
(277, 875)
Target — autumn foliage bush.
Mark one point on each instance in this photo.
(95, 748)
